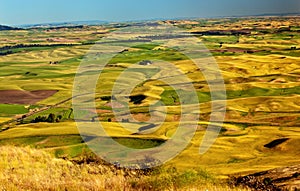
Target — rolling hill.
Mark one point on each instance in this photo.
(3, 27)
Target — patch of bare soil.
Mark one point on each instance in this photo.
(24, 97)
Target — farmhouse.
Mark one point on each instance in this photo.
(145, 62)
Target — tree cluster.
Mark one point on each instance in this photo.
(50, 119)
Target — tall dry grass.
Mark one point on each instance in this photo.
(31, 169)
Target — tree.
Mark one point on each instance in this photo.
(221, 44)
(58, 118)
(51, 118)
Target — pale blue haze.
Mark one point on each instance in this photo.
(15, 12)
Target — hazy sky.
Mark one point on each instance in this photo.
(13, 12)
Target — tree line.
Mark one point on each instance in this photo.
(8, 47)
(51, 118)
(5, 50)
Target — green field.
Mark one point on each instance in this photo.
(9, 109)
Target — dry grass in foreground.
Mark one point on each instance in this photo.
(31, 169)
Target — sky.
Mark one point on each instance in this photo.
(16, 12)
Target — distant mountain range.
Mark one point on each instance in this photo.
(99, 22)
(63, 24)
(277, 14)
